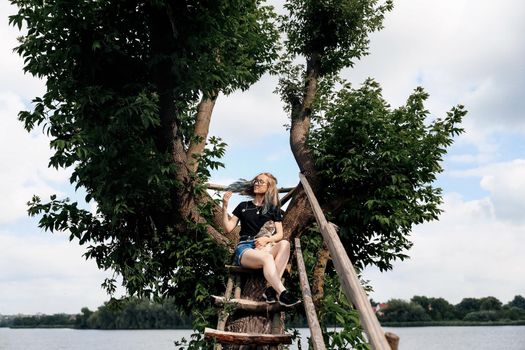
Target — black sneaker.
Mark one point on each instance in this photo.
(270, 295)
(287, 299)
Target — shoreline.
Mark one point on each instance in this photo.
(385, 324)
(454, 324)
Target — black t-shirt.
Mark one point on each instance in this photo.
(252, 218)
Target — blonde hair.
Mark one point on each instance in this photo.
(271, 197)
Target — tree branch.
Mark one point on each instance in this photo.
(200, 133)
(323, 255)
(301, 118)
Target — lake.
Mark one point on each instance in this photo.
(412, 338)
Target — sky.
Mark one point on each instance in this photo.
(461, 52)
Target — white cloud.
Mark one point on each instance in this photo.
(24, 170)
(505, 181)
(468, 253)
(461, 52)
(41, 273)
(244, 118)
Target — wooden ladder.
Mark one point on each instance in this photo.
(378, 339)
(233, 302)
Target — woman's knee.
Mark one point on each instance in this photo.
(267, 259)
(284, 245)
(251, 258)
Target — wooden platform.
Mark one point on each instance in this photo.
(247, 338)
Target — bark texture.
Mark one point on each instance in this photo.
(323, 255)
(252, 288)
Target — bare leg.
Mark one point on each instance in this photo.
(281, 254)
(255, 259)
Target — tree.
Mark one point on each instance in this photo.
(490, 303)
(401, 311)
(82, 320)
(481, 316)
(437, 308)
(468, 305)
(518, 301)
(131, 87)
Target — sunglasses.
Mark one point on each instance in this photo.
(259, 182)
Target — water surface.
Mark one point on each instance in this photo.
(412, 338)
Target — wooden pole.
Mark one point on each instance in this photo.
(217, 187)
(315, 329)
(393, 340)
(288, 196)
(345, 270)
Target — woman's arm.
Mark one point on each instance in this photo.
(228, 223)
(279, 234)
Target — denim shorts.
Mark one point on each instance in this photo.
(241, 248)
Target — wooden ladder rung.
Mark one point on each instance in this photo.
(247, 338)
(248, 305)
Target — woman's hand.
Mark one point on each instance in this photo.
(261, 242)
(226, 199)
(228, 222)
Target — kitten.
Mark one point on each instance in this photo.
(267, 230)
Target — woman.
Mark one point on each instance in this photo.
(253, 215)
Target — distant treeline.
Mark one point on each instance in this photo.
(421, 309)
(130, 313)
(133, 313)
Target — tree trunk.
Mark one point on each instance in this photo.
(323, 255)
(202, 125)
(252, 288)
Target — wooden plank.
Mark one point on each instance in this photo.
(223, 316)
(345, 270)
(277, 324)
(237, 292)
(229, 287)
(288, 196)
(311, 316)
(217, 187)
(247, 338)
(248, 305)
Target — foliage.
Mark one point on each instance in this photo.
(439, 311)
(490, 303)
(512, 313)
(107, 69)
(518, 301)
(130, 313)
(437, 308)
(334, 310)
(123, 82)
(334, 33)
(135, 314)
(402, 311)
(486, 315)
(467, 305)
(43, 321)
(379, 164)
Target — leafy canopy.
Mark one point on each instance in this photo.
(333, 32)
(108, 65)
(378, 166)
(125, 76)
